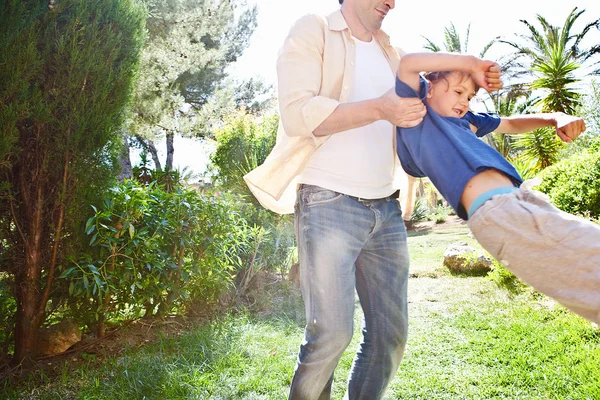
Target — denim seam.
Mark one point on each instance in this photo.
(373, 334)
(309, 265)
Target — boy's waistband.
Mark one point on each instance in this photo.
(485, 196)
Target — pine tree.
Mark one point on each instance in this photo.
(66, 78)
(190, 44)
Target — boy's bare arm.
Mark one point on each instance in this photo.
(568, 127)
(485, 73)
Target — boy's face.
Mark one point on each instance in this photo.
(450, 97)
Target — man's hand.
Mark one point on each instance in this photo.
(568, 127)
(487, 75)
(400, 111)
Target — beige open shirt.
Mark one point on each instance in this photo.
(315, 73)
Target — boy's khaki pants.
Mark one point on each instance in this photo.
(555, 252)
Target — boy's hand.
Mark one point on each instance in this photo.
(568, 127)
(487, 75)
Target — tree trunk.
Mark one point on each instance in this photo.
(170, 150)
(149, 146)
(125, 161)
(154, 153)
(28, 277)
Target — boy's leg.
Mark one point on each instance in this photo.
(381, 282)
(331, 230)
(555, 252)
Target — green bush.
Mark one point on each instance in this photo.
(150, 249)
(573, 184)
(8, 308)
(420, 210)
(243, 143)
(439, 214)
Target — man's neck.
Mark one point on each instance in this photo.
(356, 27)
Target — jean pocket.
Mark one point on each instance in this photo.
(315, 196)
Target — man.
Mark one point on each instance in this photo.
(335, 157)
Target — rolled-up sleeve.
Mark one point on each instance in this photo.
(299, 73)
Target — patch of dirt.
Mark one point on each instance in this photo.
(420, 226)
(131, 335)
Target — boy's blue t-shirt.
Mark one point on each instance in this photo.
(447, 151)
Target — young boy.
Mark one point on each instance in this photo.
(555, 252)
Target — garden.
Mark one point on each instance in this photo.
(124, 276)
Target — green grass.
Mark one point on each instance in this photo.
(468, 339)
(427, 249)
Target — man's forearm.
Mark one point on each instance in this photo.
(350, 115)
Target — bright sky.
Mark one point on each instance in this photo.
(406, 25)
(408, 22)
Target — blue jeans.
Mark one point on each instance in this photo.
(346, 243)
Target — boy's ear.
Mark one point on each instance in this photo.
(429, 90)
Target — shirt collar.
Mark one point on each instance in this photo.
(337, 22)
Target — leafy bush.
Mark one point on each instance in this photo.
(420, 210)
(242, 144)
(8, 308)
(150, 249)
(573, 184)
(439, 214)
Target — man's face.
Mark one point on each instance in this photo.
(450, 97)
(372, 12)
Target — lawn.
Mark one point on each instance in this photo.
(468, 339)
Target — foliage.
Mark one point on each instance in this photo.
(190, 44)
(505, 279)
(67, 76)
(505, 346)
(507, 102)
(242, 144)
(439, 214)
(420, 210)
(453, 42)
(540, 148)
(151, 249)
(8, 308)
(553, 55)
(526, 168)
(573, 184)
(590, 108)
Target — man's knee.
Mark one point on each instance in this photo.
(334, 338)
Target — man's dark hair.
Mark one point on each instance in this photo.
(341, 1)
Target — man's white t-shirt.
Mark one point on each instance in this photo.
(359, 162)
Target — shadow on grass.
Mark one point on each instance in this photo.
(241, 355)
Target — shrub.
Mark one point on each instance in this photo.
(8, 308)
(439, 214)
(573, 184)
(420, 210)
(150, 249)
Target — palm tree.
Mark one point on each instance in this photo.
(553, 55)
(453, 43)
(513, 100)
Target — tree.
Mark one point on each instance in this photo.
(242, 145)
(453, 42)
(190, 44)
(66, 79)
(553, 55)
